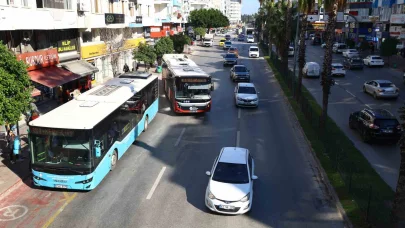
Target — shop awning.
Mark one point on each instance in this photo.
(35, 92)
(52, 76)
(80, 67)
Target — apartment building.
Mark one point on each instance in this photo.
(76, 44)
(233, 10)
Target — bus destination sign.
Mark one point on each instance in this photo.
(51, 131)
(203, 80)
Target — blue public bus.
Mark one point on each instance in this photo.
(77, 144)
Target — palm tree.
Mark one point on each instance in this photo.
(305, 7)
(331, 7)
(398, 207)
(287, 39)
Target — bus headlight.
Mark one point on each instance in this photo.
(38, 178)
(85, 181)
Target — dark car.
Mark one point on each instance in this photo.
(353, 63)
(230, 59)
(228, 37)
(240, 73)
(375, 124)
(316, 41)
(241, 37)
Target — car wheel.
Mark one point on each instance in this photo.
(365, 137)
(114, 159)
(375, 95)
(364, 89)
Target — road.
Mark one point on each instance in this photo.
(347, 96)
(176, 151)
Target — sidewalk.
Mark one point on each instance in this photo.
(11, 174)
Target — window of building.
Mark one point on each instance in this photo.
(24, 3)
(87, 37)
(54, 4)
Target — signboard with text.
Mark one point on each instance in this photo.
(67, 45)
(114, 18)
(39, 59)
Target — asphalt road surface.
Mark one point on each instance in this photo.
(180, 148)
(347, 96)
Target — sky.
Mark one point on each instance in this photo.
(250, 6)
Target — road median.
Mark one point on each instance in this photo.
(364, 196)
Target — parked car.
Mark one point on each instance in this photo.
(373, 60)
(240, 73)
(234, 50)
(254, 52)
(353, 63)
(230, 59)
(375, 124)
(311, 69)
(222, 42)
(338, 70)
(290, 51)
(350, 53)
(227, 37)
(227, 45)
(230, 186)
(246, 95)
(339, 48)
(241, 37)
(381, 89)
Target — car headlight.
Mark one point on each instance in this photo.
(239, 99)
(246, 198)
(210, 195)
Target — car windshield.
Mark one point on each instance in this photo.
(228, 43)
(232, 49)
(230, 56)
(222, 40)
(382, 123)
(60, 148)
(254, 49)
(378, 58)
(386, 85)
(240, 69)
(357, 61)
(231, 173)
(337, 67)
(352, 50)
(247, 90)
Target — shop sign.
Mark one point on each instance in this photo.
(114, 18)
(319, 26)
(397, 19)
(39, 59)
(133, 43)
(93, 50)
(67, 45)
(155, 32)
(138, 20)
(395, 31)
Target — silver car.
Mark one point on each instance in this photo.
(381, 89)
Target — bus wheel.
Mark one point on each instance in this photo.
(114, 159)
(145, 124)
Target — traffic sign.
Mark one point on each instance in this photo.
(313, 18)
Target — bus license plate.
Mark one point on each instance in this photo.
(60, 186)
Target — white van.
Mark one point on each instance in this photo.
(339, 48)
(311, 69)
(253, 52)
(290, 51)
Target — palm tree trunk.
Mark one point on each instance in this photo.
(286, 44)
(398, 207)
(301, 55)
(327, 81)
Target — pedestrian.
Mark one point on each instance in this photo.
(126, 68)
(10, 140)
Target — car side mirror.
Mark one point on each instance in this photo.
(97, 148)
(208, 173)
(254, 177)
(258, 92)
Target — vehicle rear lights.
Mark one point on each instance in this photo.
(333, 68)
(399, 127)
(85, 181)
(373, 126)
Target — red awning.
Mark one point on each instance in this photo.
(35, 92)
(52, 76)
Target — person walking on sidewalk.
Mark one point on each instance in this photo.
(10, 140)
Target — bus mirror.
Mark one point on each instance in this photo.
(97, 148)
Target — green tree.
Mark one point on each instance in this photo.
(15, 87)
(146, 54)
(163, 46)
(200, 31)
(179, 40)
(208, 18)
(331, 8)
(389, 48)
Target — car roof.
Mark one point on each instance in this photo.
(382, 81)
(337, 64)
(313, 63)
(245, 84)
(235, 155)
(253, 47)
(380, 113)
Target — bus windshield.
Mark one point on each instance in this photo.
(61, 148)
(193, 88)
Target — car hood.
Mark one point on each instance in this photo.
(247, 96)
(228, 192)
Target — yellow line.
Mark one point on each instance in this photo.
(52, 219)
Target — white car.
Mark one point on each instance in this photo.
(250, 39)
(290, 51)
(246, 95)
(373, 60)
(230, 187)
(381, 89)
(350, 53)
(338, 70)
(253, 51)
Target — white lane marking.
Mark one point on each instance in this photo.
(368, 106)
(180, 136)
(237, 138)
(239, 110)
(156, 183)
(350, 93)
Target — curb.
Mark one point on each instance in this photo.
(323, 176)
(13, 187)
